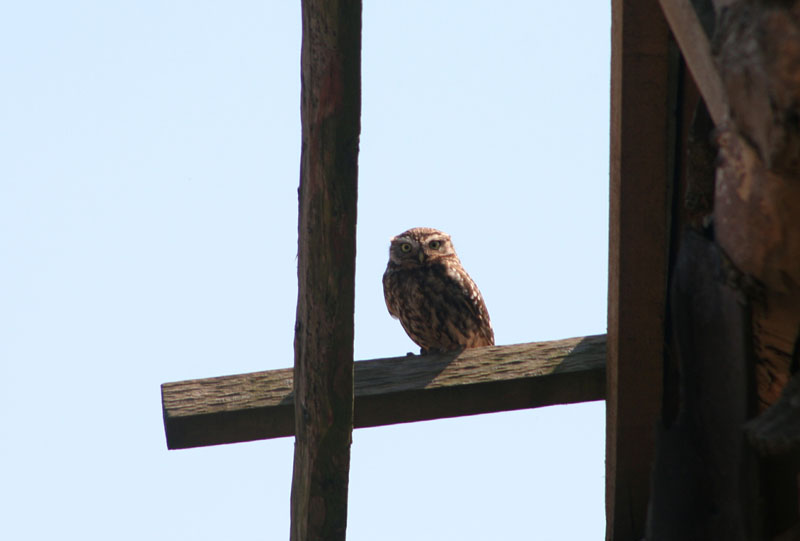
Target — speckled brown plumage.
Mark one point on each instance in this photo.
(428, 290)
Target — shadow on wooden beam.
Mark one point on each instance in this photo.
(260, 405)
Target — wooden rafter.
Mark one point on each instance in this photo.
(260, 405)
(638, 257)
(696, 50)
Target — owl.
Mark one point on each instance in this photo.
(427, 289)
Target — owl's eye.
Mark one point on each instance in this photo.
(435, 244)
(405, 247)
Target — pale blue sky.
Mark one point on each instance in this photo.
(149, 160)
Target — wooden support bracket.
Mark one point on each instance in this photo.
(696, 50)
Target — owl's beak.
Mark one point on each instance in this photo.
(421, 256)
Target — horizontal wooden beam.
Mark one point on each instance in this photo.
(260, 405)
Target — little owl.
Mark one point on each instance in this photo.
(428, 290)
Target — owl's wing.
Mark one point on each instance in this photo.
(388, 295)
(472, 301)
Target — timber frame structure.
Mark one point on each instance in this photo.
(698, 366)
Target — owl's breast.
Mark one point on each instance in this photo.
(439, 306)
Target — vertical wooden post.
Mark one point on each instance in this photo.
(323, 373)
(638, 255)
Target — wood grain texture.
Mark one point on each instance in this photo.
(757, 51)
(323, 364)
(757, 225)
(705, 479)
(260, 405)
(638, 257)
(696, 49)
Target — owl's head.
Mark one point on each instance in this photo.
(421, 246)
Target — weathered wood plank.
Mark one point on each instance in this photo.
(638, 256)
(696, 50)
(704, 476)
(260, 405)
(757, 225)
(323, 343)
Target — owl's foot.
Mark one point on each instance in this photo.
(433, 351)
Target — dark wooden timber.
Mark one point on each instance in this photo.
(246, 407)
(323, 370)
(696, 50)
(704, 477)
(638, 257)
